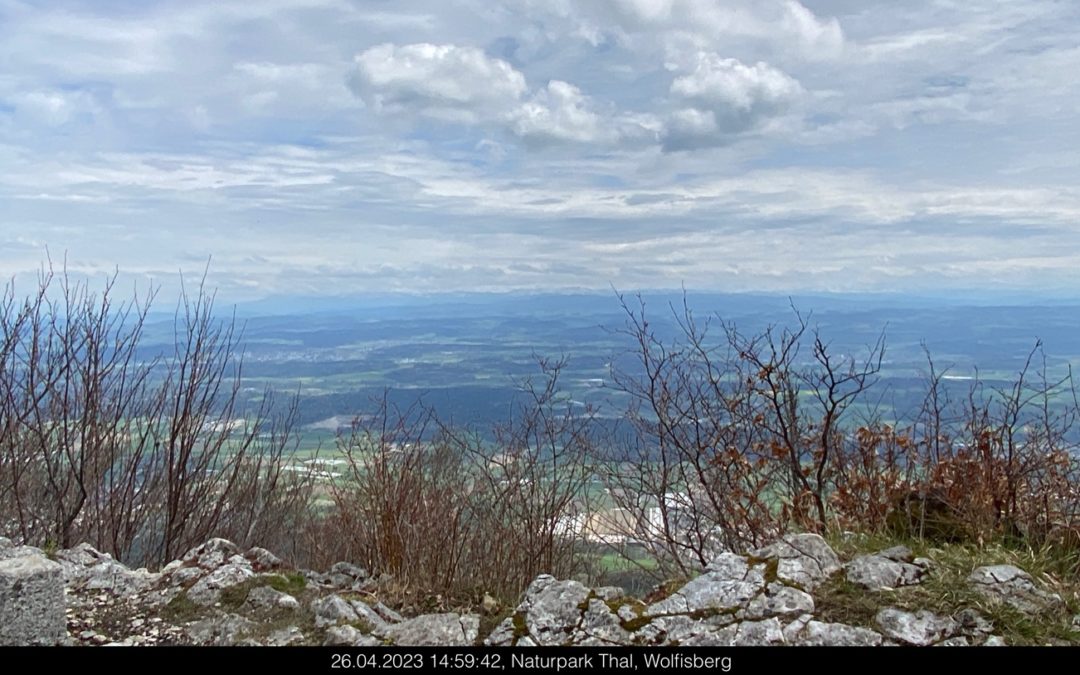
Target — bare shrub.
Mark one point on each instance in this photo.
(737, 437)
(140, 455)
(446, 512)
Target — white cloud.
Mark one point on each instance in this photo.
(729, 84)
(726, 97)
(53, 107)
(464, 85)
(703, 24)
(560, 112)
(823, 142)
(442, 81)
(819, 39)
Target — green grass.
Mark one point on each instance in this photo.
(615, 562)
(181, 609)
(946, 591)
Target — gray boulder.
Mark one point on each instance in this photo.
(1014, 587)
(333, 610)
(212, 554)
(759, 633)
(729, 583)
(184, 576)
(347, 636)
(599, 626)
(820, 634)
(86, 568)
(367, 613)
(915, 628)
(346, 575)
(263, 560)
(552, 609)
(264, 597)
(225, 630)
(207, 590)
(31, 600)
(433, 630)
(804, 559)
(779, 600)
(885, 570)
(285, 636)
(387, 614)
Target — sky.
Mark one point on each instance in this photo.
(343, 147)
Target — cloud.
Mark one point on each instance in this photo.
(727, 97)
(726, 84)
(674, 25)
(560, 112)
(464, 85)
(54, 107)
(532, 143)
(447, 82)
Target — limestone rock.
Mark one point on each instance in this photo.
(972, 624)
(759, 633)
(887, 569)
(722, 637)
(820, 634)
(212, 554)
(900, 554)
(285, 636)
(779, 600)
(1014, 587)
(346, 575)
(9, 552)
(503, 635)
(263, 560)
(86, 568)
(804, 559)
(264, 597)
(367, 613)
(31, 601)
(387, 614)
(729, 583)
(347, 636)
(552, 609)
(333, 610)
(795, 627)
(433, 630)
(207, 590)
(185, 576)
(219, 630)
(600, 626)
(915, 628)
(685, 630)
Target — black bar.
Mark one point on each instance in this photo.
(569, 660)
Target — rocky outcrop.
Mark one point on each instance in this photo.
(920, 628)
(803, 559)
(1014, 587)
(432, 630)
(31, 598)
(218, 594)
(886, 570)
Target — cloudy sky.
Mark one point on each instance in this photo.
(350, 146)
